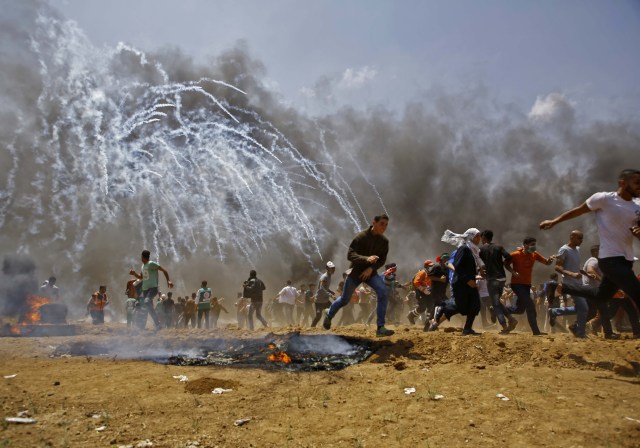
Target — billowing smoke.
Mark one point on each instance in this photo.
(17, 282)
(108, 151)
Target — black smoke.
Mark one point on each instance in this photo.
(17, 282)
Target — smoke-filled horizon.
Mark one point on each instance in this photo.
(109, 151)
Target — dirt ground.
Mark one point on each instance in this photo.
(561, 393)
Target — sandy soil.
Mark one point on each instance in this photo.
(561, 393)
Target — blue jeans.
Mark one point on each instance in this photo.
(495, 288)
(524, 303)
(617, 274)
(377, 283)
(581, 310)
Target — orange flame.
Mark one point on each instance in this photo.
(32, 315)
(279, 357)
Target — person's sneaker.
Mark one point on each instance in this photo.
(513, 322)
(326, 322)
(552, 318)
(382, 331)
(411, 317)
(540, 333)
(432, 326)
(470, 333)
(572, 329)
(612, 336)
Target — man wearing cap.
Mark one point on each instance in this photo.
(367, 253)
(324, 293)
(439, 276)
(392, 284)
(618, 220)
(495, 256)
(422, 286)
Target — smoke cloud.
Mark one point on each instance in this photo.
(109, 151)
(17, 282)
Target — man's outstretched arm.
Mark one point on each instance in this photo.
(569, 214)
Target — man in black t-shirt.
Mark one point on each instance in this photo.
(494, 257)
(439, 276)
(253, 288)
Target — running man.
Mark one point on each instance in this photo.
(521, 266)
(618, 220)
(149, 276)
(367, 253)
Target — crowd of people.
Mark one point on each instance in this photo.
(477, 277)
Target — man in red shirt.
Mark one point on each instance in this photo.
(521, 265)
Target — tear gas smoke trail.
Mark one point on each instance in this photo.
(122, 144)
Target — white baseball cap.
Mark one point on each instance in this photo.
(330, 264)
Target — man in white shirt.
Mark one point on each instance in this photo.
(287, 298)
(618, 220)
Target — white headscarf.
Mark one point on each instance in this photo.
(464, 239)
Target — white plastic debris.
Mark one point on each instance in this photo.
(181, 378)
(438, 397)
(220, 390)
(101, 428)
(241, 421)
(632, 419)
(502, 397)
(409, 390)
(11, 376)
(22, 420)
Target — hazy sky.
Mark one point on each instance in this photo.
(329, 53)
